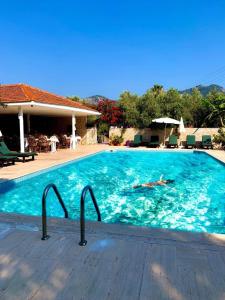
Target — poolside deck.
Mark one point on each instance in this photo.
(119, 262)
(47, 160)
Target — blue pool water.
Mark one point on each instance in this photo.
(194, 202)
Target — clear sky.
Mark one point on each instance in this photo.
(105, 47)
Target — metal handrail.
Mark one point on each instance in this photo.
(87, 188)
(44, 214)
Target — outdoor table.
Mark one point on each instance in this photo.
(26, 143)
(71, 142)
(53, 140)
(77, 138)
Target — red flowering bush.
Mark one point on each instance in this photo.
(111, 113)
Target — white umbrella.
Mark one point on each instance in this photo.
(166, 121)
(181, 127)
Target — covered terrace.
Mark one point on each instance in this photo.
(27, 110)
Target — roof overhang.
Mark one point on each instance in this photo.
(38, 108)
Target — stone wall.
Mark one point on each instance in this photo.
(81, 129)
(129, 133)
(198, 132)
(90, 136)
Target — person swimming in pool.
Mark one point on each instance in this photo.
(161, 181)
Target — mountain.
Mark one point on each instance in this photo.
(93, 100)
(205, 89)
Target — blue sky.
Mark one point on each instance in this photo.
(105, 47)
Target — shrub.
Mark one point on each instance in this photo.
(116, 140)
(103, 131)
(220, 137)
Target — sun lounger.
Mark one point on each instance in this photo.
(137, 141)
(172, 141)
(7, 159)
(207, 141)
(4, 150)
(190, 141)
(154, 141)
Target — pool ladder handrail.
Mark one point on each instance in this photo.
(45, 236)
(87, 188)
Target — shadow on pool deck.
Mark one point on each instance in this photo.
(119, 262)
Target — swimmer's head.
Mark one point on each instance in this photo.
(169, 181)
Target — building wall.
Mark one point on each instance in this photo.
(129, 133)
(90, 137)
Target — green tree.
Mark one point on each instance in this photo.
(157, 90)
(128, 103)
(148, 107)
(215, 104)
(171, 104)
(75, 98)
(193, 109)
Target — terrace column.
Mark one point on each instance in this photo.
(73, 143)
(20, 116)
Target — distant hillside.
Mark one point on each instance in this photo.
(205, 89)
(93, 100)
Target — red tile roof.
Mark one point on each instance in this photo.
(14, 93)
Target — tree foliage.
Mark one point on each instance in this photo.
(132, 110)
(75, 98)
(215, 104)
(111, 113)
(128, 104)
(220, 137)
(197, 110)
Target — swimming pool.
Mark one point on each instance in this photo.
(194, 202)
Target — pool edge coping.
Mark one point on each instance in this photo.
(148, 234)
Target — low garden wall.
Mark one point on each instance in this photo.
(90, 136)
(129, 133)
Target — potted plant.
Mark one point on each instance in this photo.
(116, 140)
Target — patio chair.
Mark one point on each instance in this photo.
(64, 142)
(43, 143)
(7, 159)
(32, 143)
(4, 150)
(172, 141)
(190, 141)
(137, 141)
(154, 141)
(207, 141)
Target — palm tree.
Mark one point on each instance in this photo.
(157, 89)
